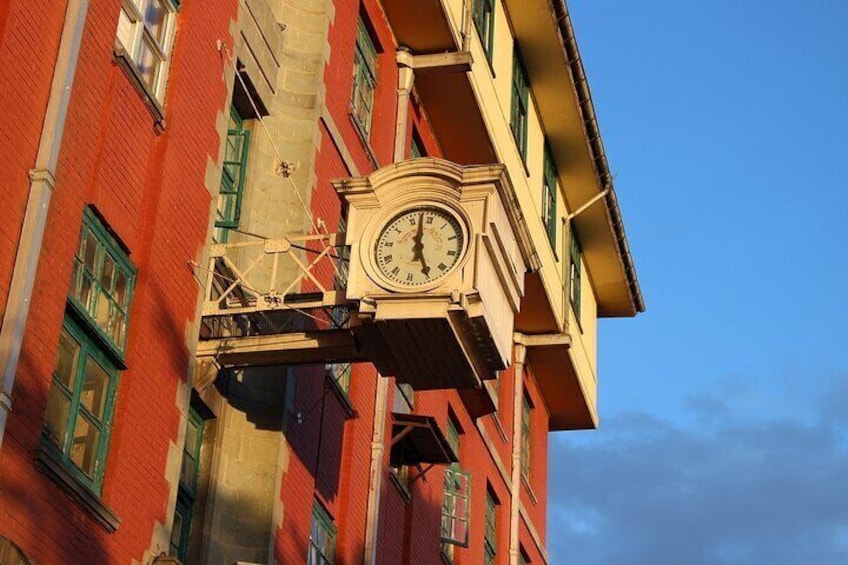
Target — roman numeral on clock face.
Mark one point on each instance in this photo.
(413, 248)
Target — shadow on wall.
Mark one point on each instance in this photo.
(302, 404)
(408, 531)
(55, 529)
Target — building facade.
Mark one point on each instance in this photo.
(297, 281)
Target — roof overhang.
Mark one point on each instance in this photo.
(423, 27)
(546, 39)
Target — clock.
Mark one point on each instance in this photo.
(419, 246)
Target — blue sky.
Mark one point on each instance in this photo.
(725, 407)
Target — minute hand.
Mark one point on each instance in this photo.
(418, 246)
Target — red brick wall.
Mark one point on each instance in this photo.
(28, 50)
(149, 188)
(408, 530)
(536, 505)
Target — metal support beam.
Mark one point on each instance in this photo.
(302, 348)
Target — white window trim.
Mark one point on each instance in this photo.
(131, 13)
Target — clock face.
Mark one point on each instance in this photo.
(419, 246)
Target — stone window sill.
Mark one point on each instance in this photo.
(79, 493)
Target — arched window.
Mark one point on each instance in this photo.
(10, 554)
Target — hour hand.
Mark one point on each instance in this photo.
(418, 246)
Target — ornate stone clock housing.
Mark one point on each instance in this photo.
(437, 263)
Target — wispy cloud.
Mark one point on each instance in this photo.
(729, 488)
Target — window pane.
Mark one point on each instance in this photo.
(56, 419)
(188, 473)
(148, 63)
(117, 327)
(94, 388)
(101, 311)
(89, 251)
(232, 177)
(176, 530)
(84, 295)
(86, 445)
(108, 272)
(191, 444)
(155, 17)
(66, 365)
(235, 144)
(120, 291)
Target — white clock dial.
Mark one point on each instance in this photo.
(419, 246)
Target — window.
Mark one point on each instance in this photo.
(10, 554)
(403, 402)
(490, 533)
(187, 492)
(102, 283)
(574, 274)
(519, 104)
(340, 315)
(456, 505)
(455, 510)
(416, 150)
(339, 372)
(81, 400)
(364, 79)
(484, 21)
(232, 178)
(526, 438)
(549, 198)
(404, 398)
(322, 540)
(146, 35)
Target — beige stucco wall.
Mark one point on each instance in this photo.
(493, 87)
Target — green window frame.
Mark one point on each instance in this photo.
(519, 104)
(180, 530)
(575, 276)
(364, 79)
(322, 538)
(187, 491)
(81, 400)
(102, 285)
(80, 405)
(490, 532)
(526, 437)
(456, 503)
(484, 20)
(549, 198)
(415, 148)
(231, 191)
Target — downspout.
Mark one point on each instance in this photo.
(406, 77)
(42, 180)
(520, 353)
(375, 477)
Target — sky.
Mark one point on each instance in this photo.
(724, 407)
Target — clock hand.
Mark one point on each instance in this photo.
(418, 246)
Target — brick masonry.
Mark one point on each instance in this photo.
(149, 188)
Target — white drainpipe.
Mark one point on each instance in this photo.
(515, 490)
(42, 180)
(406, 76)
